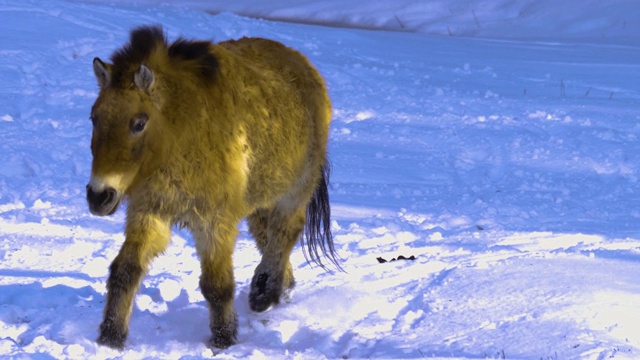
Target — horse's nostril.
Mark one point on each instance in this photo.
(102, 198)
(109, 196)
(104, 202)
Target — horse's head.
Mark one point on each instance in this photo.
(123, 118)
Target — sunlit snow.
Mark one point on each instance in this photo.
(496, 141)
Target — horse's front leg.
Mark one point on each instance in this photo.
(146, 236)
(215, 247)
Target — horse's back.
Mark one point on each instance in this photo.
(290, 140)
(289, 64)
(265, 53)
(294, 68)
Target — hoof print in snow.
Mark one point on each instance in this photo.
(401, 257)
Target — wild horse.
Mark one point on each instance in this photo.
(201, 135)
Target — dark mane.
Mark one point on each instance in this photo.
(144, 41)
(197, 51)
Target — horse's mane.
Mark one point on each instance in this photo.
(148, 41)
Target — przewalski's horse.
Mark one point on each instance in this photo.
(202, 135)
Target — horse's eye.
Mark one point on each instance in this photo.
(138, 123)
(93, 120)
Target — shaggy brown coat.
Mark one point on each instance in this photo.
(202, 135)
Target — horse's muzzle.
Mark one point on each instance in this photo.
(104, 202)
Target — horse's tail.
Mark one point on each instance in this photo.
(317, 229)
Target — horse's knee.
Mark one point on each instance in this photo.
(216, 292)
(124, 274)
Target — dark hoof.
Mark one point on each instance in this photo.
(223, 338)
(112, 337)
(265, 291)
(221, 342)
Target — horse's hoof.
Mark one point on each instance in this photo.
(112, 337)
(265, 292)
(224, 334)
(222, 340)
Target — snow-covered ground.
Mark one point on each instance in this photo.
(495, 141)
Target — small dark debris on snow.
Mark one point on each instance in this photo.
(401, 257)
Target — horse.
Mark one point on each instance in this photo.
(201, 135)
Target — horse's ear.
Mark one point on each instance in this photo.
(143, 78)
(102, 71)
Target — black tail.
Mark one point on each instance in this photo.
(317, 230)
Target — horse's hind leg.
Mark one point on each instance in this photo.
(276, 231)
(258, 226)
(146, 236)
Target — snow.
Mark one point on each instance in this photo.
(495, 141)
